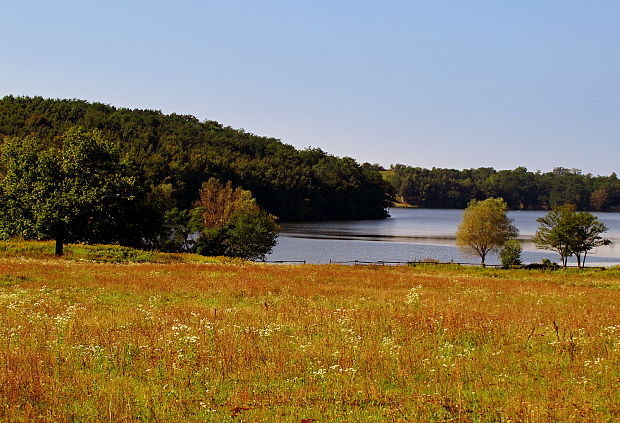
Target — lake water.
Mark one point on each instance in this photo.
(415, 234)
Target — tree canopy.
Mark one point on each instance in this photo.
(175, 154)
(232, 224)
(79, 189)
(570, 233)
(510, 254)
(588, 236)
(76, 190)
(520, 188)
(485, 227)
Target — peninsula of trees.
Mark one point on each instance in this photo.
(520, 188)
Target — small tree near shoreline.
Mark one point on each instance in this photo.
(485, 227)
(570, 233)
(510, 255)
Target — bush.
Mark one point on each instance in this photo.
(231, 224)
(545, 264)
(249, 234)
(510, 255)
(548, 264)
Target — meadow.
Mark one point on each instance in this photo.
(184, 340)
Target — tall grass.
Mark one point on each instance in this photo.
(82, 341)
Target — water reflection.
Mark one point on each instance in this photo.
(414, 234)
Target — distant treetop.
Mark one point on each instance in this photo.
(520, 188)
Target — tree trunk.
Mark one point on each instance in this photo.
(60, 237)
(578, 260)
(59, 246)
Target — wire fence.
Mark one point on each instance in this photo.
(282, 261)
(408, 263)
(531, 266)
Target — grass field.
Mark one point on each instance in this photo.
(182, 341)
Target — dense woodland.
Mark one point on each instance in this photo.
(522, 189)
(175, 154)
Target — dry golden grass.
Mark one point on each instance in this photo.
(245, 342)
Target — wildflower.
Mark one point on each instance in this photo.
(413, 296)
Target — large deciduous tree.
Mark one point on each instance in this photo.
(485, 227)
(74, 190)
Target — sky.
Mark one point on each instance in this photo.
(457, 84)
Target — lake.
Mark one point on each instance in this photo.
(412, 234)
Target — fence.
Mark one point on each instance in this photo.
(536, 266)
(406, 263)
(282, 261)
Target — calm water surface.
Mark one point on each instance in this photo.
(415, 234)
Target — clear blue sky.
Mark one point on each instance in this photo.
(436, 83)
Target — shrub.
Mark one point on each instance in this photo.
(249, 235)
(510, 255)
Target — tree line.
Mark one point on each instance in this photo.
(75, 171)
(81, 189)
(71, 170)
(175, 154)
(520, 188)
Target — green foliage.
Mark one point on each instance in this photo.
(102, 253)
(176, 233)
(548, 264)
(249, 234)
(570, 233)
(588, 236)
(510, 255)
(77, 190)
(485, 227)
(520, 188)
(177, 153)
(556, 231)
(231, 223)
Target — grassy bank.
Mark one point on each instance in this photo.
(102, 253)
(85, 341)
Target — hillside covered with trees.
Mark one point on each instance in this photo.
(520, 188)
(176, 154)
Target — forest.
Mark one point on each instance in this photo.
(175, 154)
(520, 188)
(152, 168)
